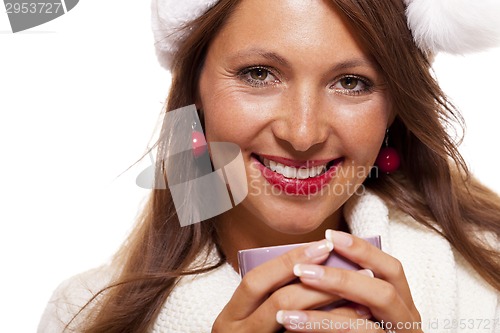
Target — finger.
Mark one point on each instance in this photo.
(368, 256)
(360, 310)
(318, 321)
(381, 297)
(261, 281)
(295, 296)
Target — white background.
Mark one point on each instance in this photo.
(79, 100)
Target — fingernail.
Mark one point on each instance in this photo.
(338, 238)
(288, 317)
(308, 271)
(363, 311)
(319, 248)
(366, 272)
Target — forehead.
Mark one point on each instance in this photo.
(303, 29)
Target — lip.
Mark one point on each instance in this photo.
(298, 187)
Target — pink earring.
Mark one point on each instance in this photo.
(198, 142)
(388, 159)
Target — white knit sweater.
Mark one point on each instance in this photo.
(449, 294)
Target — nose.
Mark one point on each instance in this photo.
(302, 120)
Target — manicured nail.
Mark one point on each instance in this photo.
(288, 317)
(363, 311)
(366, 272)
(319, 248)
(308, 271)
(338, 238)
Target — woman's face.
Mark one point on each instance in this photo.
(287, 81)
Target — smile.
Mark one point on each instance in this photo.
(296, 177)
(294, 172)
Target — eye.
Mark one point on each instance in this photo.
(352, 85)
(258, 76)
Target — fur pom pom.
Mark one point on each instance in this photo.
(454, 26)
(168, 19)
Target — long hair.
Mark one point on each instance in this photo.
(433, 184)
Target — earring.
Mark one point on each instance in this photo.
(388, 159)
(198, 142)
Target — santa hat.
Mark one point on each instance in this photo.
(450, 26)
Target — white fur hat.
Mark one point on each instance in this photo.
(168, 17)
(454, 26)
(451, 26)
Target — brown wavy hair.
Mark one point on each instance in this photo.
(433, 184)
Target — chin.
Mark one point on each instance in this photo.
(296, 225)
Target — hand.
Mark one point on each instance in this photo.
(265, 289)
(386, 295)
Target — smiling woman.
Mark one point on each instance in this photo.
(313, 98)
(283, 101)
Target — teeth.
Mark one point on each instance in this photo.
(292, 172)
(280, 168)
(273, 165)
(319, 169)
(303, 173)
(312, 172)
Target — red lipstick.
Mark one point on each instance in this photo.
(293, 186)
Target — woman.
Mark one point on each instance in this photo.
(314, 87)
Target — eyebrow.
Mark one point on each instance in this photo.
(357, 62)
(272, 56)
(275, 57)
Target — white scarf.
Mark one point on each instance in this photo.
(450, 296)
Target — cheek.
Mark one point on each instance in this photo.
(363, 130)
(235, 117)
